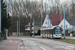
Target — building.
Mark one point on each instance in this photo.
(29, 27)
(52, 20)
(69, 24)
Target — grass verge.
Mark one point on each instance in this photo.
(72, 41)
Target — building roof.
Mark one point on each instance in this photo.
(71, 21)
(37, 23)
(55, 19)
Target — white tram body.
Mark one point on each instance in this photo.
(54, 32)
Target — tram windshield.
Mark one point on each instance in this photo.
(57, 31)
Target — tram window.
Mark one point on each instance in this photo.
(57, 31)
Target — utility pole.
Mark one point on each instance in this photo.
(7, 17)
(19, 25)
(0, 15)
(64, 22)
(17, 29)
(41, 23)
(0, 19)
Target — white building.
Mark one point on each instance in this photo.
(29, 27)
(69, 24)
(51, 20)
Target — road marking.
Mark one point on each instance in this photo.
(22, 47)
(16, 41)
(32, 42)
(27, 41)
(42, 48)
(65, 47)
(11, 41)
(69, 47)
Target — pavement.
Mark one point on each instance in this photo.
(45, 44)
(28, 43)
(9, 44)
(69, 37)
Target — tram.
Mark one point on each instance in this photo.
(56, 32)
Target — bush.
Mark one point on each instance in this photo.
(38, 32)
(73, 34)
(4, 33)
(0, 35)
(32, 34)
(66, 34)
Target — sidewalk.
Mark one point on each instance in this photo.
(68, 37)
(9, 44)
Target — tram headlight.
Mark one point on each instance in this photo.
(56, 35)
(60, 34)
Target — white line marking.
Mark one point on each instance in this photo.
(22, 47)
(69, 47)
(27, 41)
(16, 41)
(65, 47)
(11, 41)
(32, 42)
(42, 48)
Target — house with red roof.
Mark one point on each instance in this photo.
(52, 20)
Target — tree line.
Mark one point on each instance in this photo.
(27, 10)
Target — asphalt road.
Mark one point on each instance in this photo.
(45, 44)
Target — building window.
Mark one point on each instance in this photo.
(66, 26)
(46, 23)
(61, 26)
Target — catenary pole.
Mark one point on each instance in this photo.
(17, 29)
(7, 16)
(0, 15)
(0, 19)
(64, 22)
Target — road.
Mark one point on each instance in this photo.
(45, 44)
